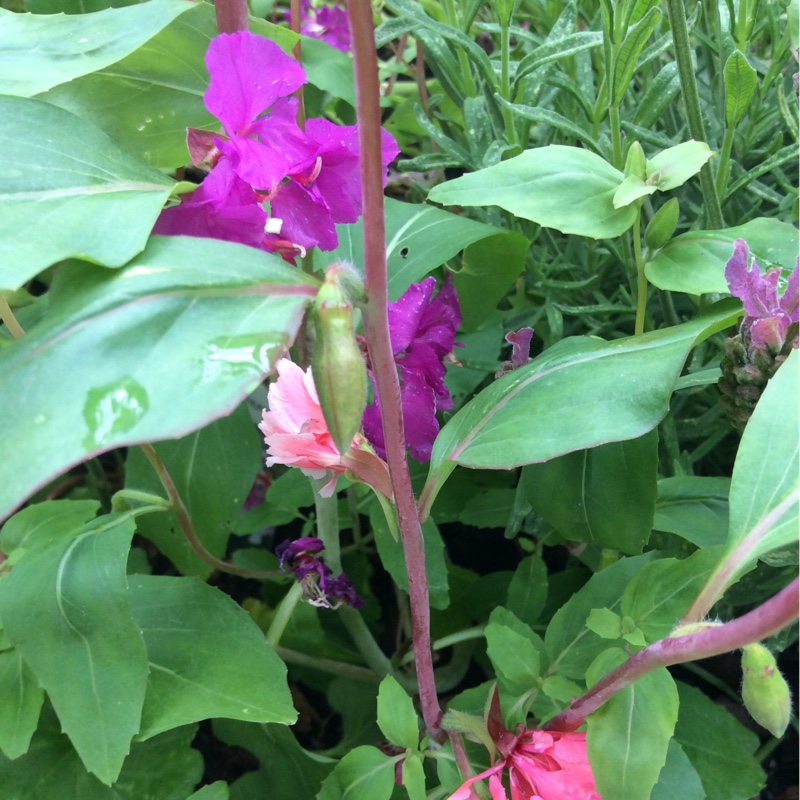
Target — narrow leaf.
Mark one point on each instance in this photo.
(741, 81)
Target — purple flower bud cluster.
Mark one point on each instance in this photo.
(271, 185)
(323, 591)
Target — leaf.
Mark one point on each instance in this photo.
(363, 774)
(41, 524)
(766, 475)
(213, 791)
(559, 187)
(577, 394)
(213, 470)
(678, 777)
(695, 262)
(627, 738)
(554, 49)
(488, 509)
(198, 313)
(629, 53)
(631, 190)
(721, 749)
(527, 591)
(605, 495)
(39, 52)
(66, 609)
(396, 716)
(694, 508)
(514, 657)
(741, 81)
(674, 166)
(413, 774)
(76, 194)
(328, 69)
(207, 657)
(22, 701)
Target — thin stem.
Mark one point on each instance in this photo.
(766, 620)
(365, 642)
(328, 525)
(294, 24)
(185, 521)
(691, 101)
(723, 171)
(231, 15)
(283, 613)
(505, 81)
(641, 280)
(376, 326)
(463, 61)
(7, 317)
(616, 136)
(352, 671)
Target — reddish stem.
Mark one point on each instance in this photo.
(231, 15)
(294, 24)
(376, 327)
(767, 619)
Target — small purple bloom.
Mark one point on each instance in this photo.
(767, 316)
(327, 23)
(520, 350)
(422, 330)
(300, 557)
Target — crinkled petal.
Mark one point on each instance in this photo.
(405, 314)
(306, 218)
(790, 302)
(757, 292)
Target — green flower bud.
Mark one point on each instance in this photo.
(636, 163)
(764, 690)
(338, 367)
(660, 229)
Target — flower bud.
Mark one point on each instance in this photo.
(660, 229)
(636, 163)
(340, 374)
(764, 690)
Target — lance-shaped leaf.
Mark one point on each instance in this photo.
(65, 608)
(695, 262)
(175, 339)
(68, 190)
(740, 86)
(580, 393)
(38, 52)
(559, 187)
(630, 51)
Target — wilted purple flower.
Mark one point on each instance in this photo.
(300, 557)
(422, 330)
(520, 350)
(327, 23)
(767, 316)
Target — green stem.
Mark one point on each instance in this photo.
(641, 280)
(8, 318)
(365, 642)
(283, 613)
(329, 665)
(616, 136)
(463, 61)
(327, 511)
(723, 172)
(505, 81)
(691, 101)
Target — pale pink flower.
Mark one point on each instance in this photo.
(542, 765)
(296, 434)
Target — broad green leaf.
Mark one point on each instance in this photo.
(527, 591)
(695, 262)
(628, 736)
(662, 591)
(678, 777)
(22, 701)
(328, 69)
(720, 748)
(74, 194)
(162, 85)
(741, 81)
(605, 495)
(213, 791)
(213, 470)
(164, 768)
(630, 51)
(363, 774)
(674, 166)
(188, 329)
(396, 716)
(207, 657)
(632, 189)
(559, 187)
(66, 610)
(413, 774)
(419, 238)
(41, 524)
(693, 507)
(515, 659)
(488, 509)
(579, 393)
(570, 644)
(39, 52)
(764, 488)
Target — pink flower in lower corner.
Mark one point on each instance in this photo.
(296, 434)
(542, 765)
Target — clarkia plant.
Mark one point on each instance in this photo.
(425, 400)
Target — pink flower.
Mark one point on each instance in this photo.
(542, 765)
(296, 434)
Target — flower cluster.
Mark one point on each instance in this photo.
(271, 185)
(542, 765)
(422, 330)
(327, 23)
(323, 591)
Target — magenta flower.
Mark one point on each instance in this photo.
(520, 350)
(767, 316)
(314, 575)
(422, 331)
(327, 23)
(542, 765)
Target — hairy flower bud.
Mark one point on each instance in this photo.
(340, 373)
(764, 690)
(660, 229)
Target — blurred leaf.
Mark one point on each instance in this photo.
(76, 194)
(527, 592)
(695, 262)
(488, 509)
(396, 715)
(213, 791)
(678, 778)
(693, 507)
(363, 774)
(22, 701)
(605, 495)
(152, 351)
(328, 69)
